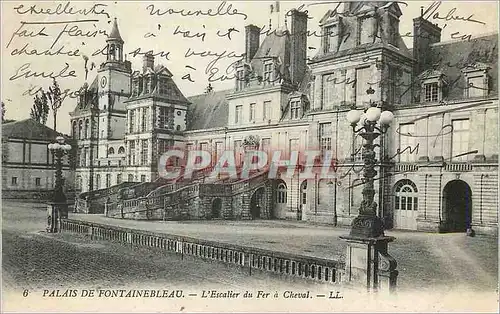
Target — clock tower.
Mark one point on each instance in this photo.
(113, 89)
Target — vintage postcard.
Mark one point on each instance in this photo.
(249, 156)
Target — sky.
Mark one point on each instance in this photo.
(189, 56)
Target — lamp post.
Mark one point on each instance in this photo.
(58, 207)
(367, 259)
(367, 223)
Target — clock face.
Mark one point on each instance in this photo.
(104, 81)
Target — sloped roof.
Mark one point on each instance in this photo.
(115, 33)
(208, 110)
(91, 99)
(451, 57)
(275, 45)
(28, 129)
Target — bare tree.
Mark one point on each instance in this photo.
(54, 96)
(40, 109)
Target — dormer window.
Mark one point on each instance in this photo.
(476, 80)
(433, 86)
(431, 92)
(295, 111)
(365, 30)
(393, 30)
(332, 35)
(268, 72)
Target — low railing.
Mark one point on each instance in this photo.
(405, 167)
(293, 265)
(458, 167)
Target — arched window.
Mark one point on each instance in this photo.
(130, 178)
(121, 150)
(281, 194)
(119, 178)
(111, 151)
(406, 195)
(87, 128)
(303, 192)
(75, 134)
(80, 129)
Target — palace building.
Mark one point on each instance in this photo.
(437, 164)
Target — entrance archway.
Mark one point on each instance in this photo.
(216, 208)
(257, 203)
(457, 206)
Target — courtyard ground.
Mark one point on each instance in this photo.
(426, 261)
(449, 272)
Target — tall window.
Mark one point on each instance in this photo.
(363, 80)
(295, 109)
(460, 139)
(130, 178)
(281, 194)
(431, 92)
(143, 119)
(237, 115)
(14, 181)
(328, 91)
(407, 142)
(406, 195)
(98, 182)
(144, 152)
(163, 118)
(131, 153)
(119, 178)
(267, 110)
(252, 112)
(475, 86)
(303, 193)
(108, 180)
(331, 38)
(38, 181)
(268, 72)
(325, 136)
(132, 121)
(143, 178)
(164, 145)
(238, 152)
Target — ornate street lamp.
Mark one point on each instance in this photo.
(367, 257)
(58, 208)
(367, 223)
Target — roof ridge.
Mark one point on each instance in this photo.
(453, 41)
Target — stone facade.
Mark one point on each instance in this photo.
(28, 171)
(442, 143)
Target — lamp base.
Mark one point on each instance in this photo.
(367, 226)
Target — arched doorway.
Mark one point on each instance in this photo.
(280, 199)
(257, 203)
(216, 208)
(457, 206)
(405, 205)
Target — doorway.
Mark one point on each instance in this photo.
(257, 203)
(457, 206)
(216, 208)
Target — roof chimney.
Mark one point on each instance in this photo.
(424, 35)
(298, 52)
(252, 41)
(148, 61)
